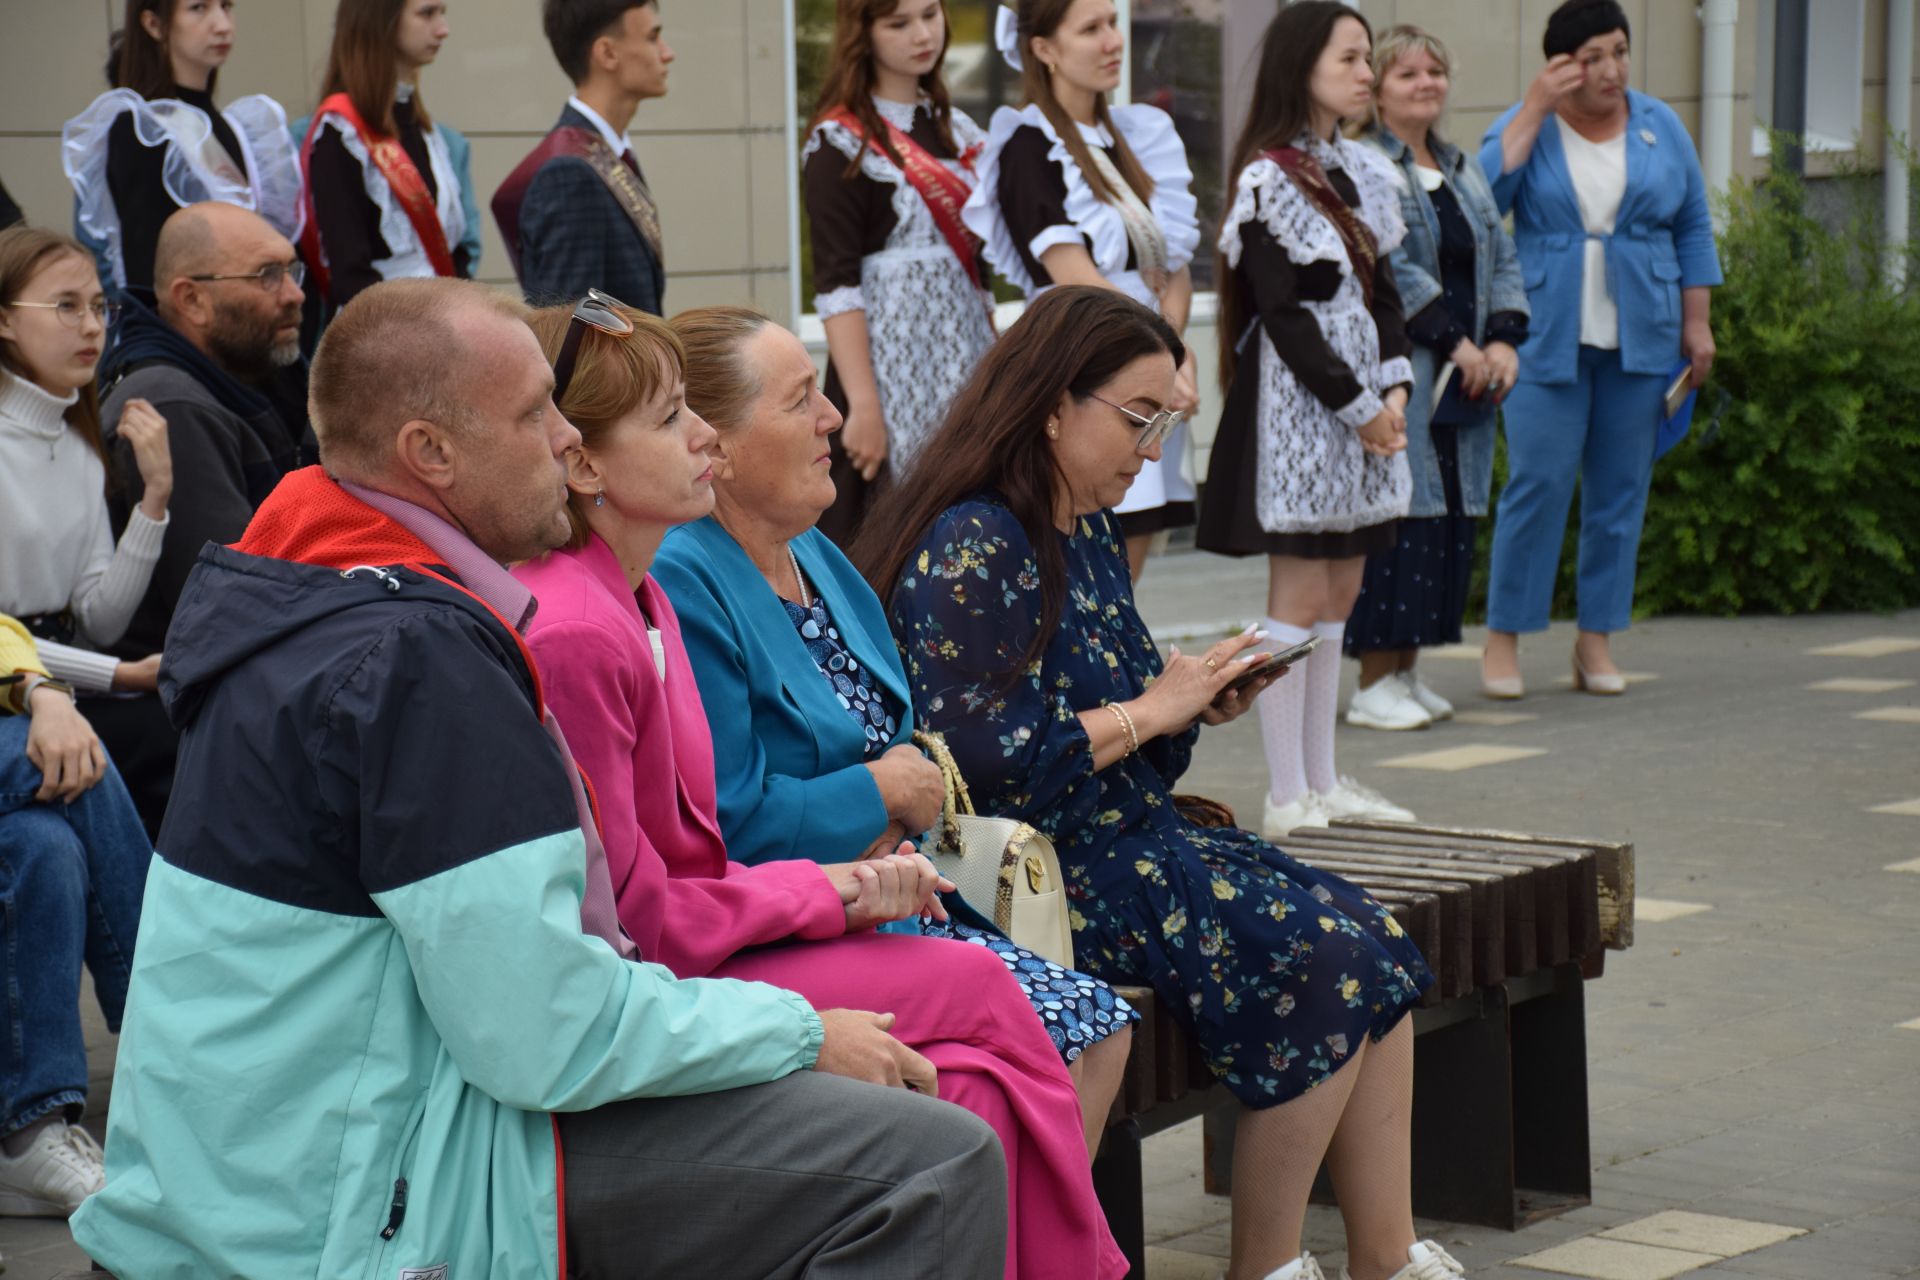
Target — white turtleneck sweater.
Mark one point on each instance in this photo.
(56, 547)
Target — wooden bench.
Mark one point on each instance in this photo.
(1512, 926)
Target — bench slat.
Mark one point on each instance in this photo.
(1614, 859)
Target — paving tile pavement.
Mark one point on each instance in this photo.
(1746, 1062)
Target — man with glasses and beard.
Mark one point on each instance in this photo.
(217, 343)
(216, 349)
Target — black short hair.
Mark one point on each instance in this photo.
(573, 25)
(1578, 21)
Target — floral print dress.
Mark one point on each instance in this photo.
(1078, 1011)
(1277, 969)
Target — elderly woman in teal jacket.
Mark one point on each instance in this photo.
(1616, 248)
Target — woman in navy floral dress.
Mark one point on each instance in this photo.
(1010, 598)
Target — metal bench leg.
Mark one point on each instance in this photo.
(1463, 1118)
(1117, 1181)
(1553, 1168)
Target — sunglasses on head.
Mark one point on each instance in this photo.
(595, 311)
(1152, 430)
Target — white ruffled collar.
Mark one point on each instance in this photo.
(36, 412)
(900, 114)
(1328, 151)
(1155, 143)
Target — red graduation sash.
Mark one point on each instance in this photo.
(402, 175)
(938, 185)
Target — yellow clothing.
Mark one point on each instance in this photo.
(17, 655)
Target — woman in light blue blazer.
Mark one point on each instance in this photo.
(1616, 248)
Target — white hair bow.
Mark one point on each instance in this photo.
(1006, 35)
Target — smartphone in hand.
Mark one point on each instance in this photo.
(1266, 663)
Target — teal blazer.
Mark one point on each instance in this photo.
(1662, 241)
(787, 756)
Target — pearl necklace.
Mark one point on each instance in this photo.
(806, 600)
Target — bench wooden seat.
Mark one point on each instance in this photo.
(1512, 925)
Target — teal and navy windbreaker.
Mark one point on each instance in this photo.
(360, 984)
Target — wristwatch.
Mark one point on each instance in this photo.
(35, 681)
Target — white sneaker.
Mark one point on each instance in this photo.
(1279, 819)
(1426, 1260)
(1430, 702)
(1301, 1268)
(1349, 799)
(1386, 704)
(50, 1178)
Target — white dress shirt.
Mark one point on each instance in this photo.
(618, 141)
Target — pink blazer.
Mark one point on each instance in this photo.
(643, 741)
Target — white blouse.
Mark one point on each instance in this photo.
(56, 549)
(1599, 173)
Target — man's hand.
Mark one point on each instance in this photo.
(892, 887)
(857, 1046)
(63, 746)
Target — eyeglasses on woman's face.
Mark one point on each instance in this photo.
(72, 311)
(1152, 430)
(595, 311)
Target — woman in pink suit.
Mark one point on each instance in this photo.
(616, 675)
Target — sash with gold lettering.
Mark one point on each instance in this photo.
(402, 175)
(943, 190)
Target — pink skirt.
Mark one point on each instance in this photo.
(957, 1005)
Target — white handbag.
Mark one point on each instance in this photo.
(1000, 861)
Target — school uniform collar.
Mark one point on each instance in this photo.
(618, 141)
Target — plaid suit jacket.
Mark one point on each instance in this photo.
(574, 236)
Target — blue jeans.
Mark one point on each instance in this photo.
(71, 880)
(1598, 429)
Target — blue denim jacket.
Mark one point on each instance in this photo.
(1662, 242)
(1416, 269)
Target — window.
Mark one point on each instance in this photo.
(1176, 60)
(977, 77)
(1827, 55)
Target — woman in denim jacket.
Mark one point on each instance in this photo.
(1459, 279)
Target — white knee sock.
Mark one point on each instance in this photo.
(1280, 711)
(1322, 706)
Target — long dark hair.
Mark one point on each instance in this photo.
(364, 63)
(1071, 341)
(146, 67)
(1282, 108)
(849, 79)
(1042, 18)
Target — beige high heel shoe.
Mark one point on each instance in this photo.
(1605, 686)
(1500, 688)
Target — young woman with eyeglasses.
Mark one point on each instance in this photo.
(1010, 599)
(387, 198)
(1308, 468)
(62, 574)
(898, 279)
(1076, 191)
(156, 142)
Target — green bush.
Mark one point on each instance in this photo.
(1799, 488)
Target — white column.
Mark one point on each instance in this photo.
(1717, 22)
(1895, 176)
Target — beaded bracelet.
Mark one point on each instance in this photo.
(1126, 727)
